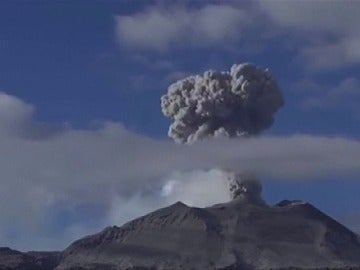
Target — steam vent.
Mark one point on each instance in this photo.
(245, 187)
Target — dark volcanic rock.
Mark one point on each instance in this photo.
(16, 260)
(234, 235)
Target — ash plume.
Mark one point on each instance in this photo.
(245, 187)
(239, 102)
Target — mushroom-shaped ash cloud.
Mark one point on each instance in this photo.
(235, 103)
(239, 102)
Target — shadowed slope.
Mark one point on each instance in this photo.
(234, 235)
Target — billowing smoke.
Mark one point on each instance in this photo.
(239, 102)
(245, 187)
(235, 103)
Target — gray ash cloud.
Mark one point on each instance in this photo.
(245, 187)
(235, 103)
(239, 102)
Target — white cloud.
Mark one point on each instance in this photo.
(198, 187)
(325, 34)
(159, 27)
(334, 54)
(125, 173)
(313, 16)
(327, 29)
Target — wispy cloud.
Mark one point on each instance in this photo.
(324, 36)
(327, 30)
(160, 27)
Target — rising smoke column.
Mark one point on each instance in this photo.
(245, 187)
(236, 103)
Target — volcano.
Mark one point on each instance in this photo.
(234, 235)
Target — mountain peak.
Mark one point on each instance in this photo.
(233, 234)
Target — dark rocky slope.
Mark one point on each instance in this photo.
(232, 236)
(16, 260)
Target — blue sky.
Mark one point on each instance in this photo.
(84, 67)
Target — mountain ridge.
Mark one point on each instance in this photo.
(233, 235)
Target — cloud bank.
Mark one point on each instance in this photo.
(48, 175)
(321, 40)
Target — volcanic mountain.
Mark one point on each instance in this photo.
(233, 235)
(244, 233)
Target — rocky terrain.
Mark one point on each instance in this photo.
(12, 259)
(234, 235)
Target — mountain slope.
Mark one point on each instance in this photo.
(234, 235)
(13, 259)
